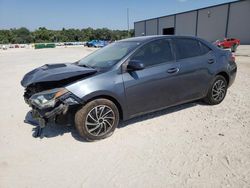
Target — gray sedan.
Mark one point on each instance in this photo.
(126, 79)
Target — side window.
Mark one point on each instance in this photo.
(204, 49)
(187, 48)
(154, 53)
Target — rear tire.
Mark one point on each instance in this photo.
(97, 120)
(217, 91)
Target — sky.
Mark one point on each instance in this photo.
(112, 14)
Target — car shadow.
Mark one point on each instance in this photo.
(53, 130)
(157, 114)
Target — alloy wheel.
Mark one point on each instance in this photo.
(219, 90)
(100, 120)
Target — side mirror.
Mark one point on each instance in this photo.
(135, 65)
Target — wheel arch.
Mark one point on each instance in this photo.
(225, 75)
(111, 98)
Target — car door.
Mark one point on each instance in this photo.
(155, 86)
(194, 59)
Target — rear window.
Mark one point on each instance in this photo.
(187, 48)
(204, 48)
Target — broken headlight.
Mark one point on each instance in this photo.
(47, 99)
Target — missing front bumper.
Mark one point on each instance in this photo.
(43, 116)
(64, 108)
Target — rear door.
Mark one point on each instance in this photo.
(194, 59)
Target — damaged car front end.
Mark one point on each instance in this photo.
(46, 95)
(46, 105)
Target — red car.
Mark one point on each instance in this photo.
(228, 43)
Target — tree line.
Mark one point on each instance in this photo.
(42, 35)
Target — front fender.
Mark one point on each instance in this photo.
(108, 84)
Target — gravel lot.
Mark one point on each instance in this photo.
(191, 145)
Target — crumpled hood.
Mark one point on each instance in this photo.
(55, 72)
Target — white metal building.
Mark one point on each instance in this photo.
(231, 20)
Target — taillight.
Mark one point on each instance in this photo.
(232, 57)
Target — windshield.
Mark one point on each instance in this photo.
(109, 55)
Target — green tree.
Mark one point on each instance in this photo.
(42, 34)
(21, 36)
(5, 36)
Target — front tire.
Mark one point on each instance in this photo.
(97, 120)
(217, 91)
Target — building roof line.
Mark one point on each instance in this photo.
(236, 1)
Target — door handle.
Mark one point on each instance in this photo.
(210, 61)
(173, 70)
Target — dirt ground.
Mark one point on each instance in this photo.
(191, 145)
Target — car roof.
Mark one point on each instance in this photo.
(143, 39)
